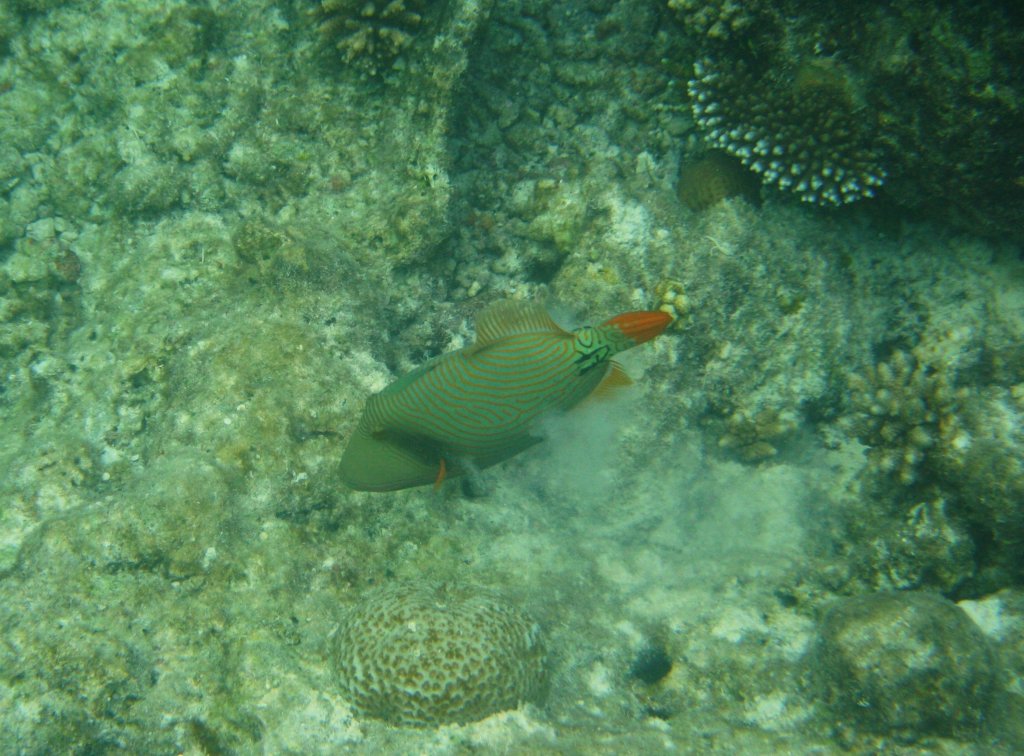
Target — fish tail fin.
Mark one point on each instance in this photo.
(640, 326)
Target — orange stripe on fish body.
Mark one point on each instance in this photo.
(477, 406)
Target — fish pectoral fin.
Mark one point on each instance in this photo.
(614, 380)
(424, 450)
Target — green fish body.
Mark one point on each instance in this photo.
(478, 406)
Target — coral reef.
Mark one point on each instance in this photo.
(712, 177)
(948, 87)
(805, 136)
(162, 170)
(910, 664)
(943, 444)
(751, 390)
(923, 98)
(427, 654)
(904, 407)
(371, 35)
(715, 19)
(217, 238)
(912, 543)
(984, 480)
(541, 114)
(39, 291)
(9, 23)
(755, 437)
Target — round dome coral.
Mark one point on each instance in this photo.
(428, 654)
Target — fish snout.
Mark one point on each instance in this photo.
(641, 326)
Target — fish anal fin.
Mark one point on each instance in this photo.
(442, 470)
(507, 317)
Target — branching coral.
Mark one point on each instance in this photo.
(924, 97)
(371, 35)
(903, 409)
(717, 19)
(953, 452)
(752, 436)
(803, 135)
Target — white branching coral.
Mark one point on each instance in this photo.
(803, 135)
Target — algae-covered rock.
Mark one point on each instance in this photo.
(907, 663)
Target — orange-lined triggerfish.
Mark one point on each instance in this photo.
(479, 405)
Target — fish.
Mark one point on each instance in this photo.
(474, 407)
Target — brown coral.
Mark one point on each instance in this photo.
(904, 408)
(713, 177)
(717, 19)
(671, 297)
(752, 436)
(371, 34)
(427, 654)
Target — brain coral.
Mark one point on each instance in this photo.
(428, 654)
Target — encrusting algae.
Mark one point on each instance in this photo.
(478, 406)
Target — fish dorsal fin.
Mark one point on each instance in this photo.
(508, 316)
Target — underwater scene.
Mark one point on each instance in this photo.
(520, 377)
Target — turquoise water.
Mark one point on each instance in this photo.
(224, 225)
